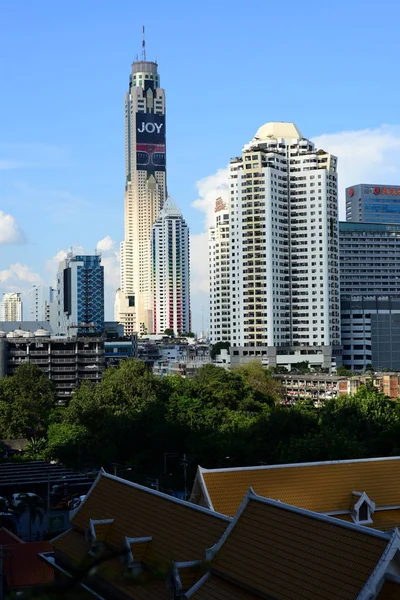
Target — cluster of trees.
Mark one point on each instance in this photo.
(218, 418)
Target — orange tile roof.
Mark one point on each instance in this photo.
(24, 567)
(287, 553)
(321, 487)
(72, 544)
(179, 532)
(385, 520)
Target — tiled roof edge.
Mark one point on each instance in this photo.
(318, 516)
(49, 558)
(137, 486)
(293, 465)
(203, 486)
(95, 482)
(60, 535)
(197, 585)
(211, 552)
(377, 576)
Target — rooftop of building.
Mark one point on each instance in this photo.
(277, 130)
(325, 487)
(349, 226)
(25, 327)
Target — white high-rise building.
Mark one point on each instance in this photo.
(171, 271)
(39, 303)
(284, 282)
(11, 307)
(219, 257)
(145, 193)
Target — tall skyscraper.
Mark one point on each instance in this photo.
(39, 303)
(80, 295)
(171, 271)
(284, 279)
(11, 307)
(370, 203)
(145, 193)
(218, 258)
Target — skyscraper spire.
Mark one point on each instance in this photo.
(143, 46)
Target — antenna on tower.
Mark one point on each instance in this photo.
(143, 45)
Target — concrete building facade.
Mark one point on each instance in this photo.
(170, 251)
(284, 276)
(40, 299)
(11, 307)
(145, 193)
(219, 259)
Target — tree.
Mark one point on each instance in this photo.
(343, 372)
(169, 332)
(260, 379)
(216, 348)
(26, 400)
(301, 367)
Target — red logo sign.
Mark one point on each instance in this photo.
(351, 192)
(376, 191)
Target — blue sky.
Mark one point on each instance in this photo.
(227, 68)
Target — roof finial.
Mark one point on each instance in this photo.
(143, 45)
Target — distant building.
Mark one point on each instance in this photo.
(145, 193)
(11, 307)
(66, 361)
(116, 350)
(40, 298)
(171, 266)
(372, 203)
(218, 259)
(370, 295)
(80, 295)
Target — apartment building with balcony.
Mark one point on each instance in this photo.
(219, 259)
(283, 236)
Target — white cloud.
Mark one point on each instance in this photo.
(19, 273)
(52, 264)
(110, 261)
(209, 189)
(365, 156)
(10, 233)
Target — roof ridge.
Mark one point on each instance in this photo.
(318, 516)
(143, 488)
(304, 464)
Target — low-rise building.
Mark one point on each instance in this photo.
(65, 360)
(117, 349)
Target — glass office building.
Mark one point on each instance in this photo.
(370, 203)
